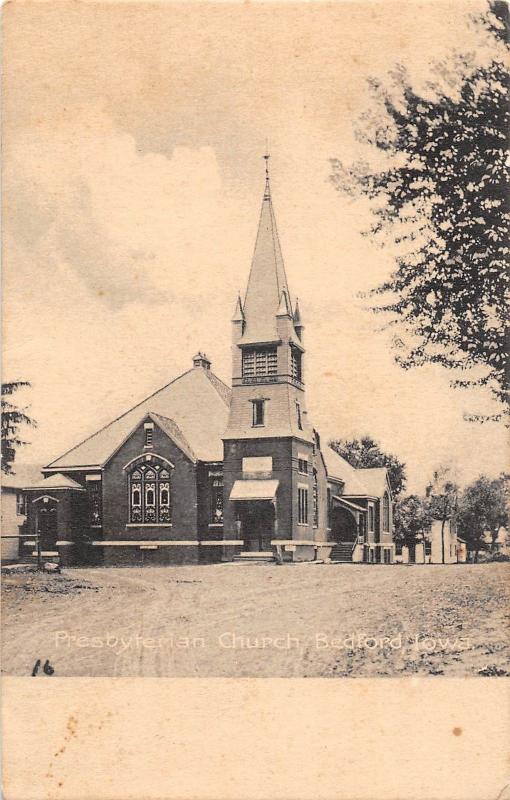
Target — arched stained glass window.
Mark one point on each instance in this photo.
(150, 497)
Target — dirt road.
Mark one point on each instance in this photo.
(260, 621)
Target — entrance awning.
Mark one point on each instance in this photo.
(254, 490)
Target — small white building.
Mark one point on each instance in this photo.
(14, 509)
(442, 546)
(443, 542)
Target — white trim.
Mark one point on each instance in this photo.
(88, 468)
(62, 543)
(147, 457)
(93, 477)
(303, 485)
(47, 496)
(219, 542)
(215, 525)
(46, 553)
(305, 542)
(31, 543)
(148, 525)
(133, 543)
(364, 496)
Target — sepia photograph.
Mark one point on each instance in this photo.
(254, 400)
(255, 471)
(254, 392)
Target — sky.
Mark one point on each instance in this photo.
(133, 176)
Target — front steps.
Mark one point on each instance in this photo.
(342, 552)
(255, 557)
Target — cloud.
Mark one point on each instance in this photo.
(130, 226)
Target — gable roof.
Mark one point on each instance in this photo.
(369, 482)
(53, 482)
(193, 407)
(375, 479)
(24, 474)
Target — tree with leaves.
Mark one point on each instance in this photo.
(442, 495)
(442, 197)
(412, 520)
(366, 452)
(483, 508)
(13, 418)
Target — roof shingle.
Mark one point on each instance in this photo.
(196, 404)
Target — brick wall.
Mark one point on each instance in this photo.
(183, 491)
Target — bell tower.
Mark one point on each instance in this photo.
(269, 441)
(267, 345)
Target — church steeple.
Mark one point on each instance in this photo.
(267, 348)
(270, 468)
(267, 282)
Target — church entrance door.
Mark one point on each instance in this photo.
(258, 526)
(47, 526)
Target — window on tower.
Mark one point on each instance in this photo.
(258, 413)
(296, 364)
(259, 363)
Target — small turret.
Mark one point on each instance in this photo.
(298, 324)
(238, 311)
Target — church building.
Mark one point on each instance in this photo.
(201, 472)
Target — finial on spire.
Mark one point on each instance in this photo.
(267, 191)
(297, 313)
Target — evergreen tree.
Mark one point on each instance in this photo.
(12, 419)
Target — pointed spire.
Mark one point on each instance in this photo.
(238, 311)
(267, 278)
